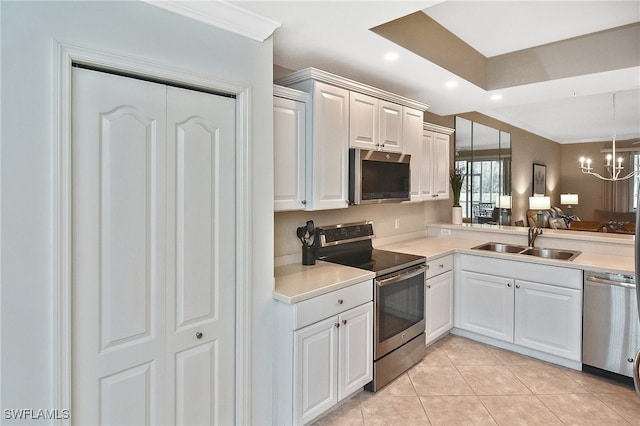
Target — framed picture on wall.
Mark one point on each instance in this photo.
(539, 179)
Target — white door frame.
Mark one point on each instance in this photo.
(65, 54)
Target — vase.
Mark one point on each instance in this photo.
(456, 215)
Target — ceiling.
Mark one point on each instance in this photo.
(335, 36)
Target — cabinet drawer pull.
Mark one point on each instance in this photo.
(199, 335)
(340, 301)
(337, 325)
(441, 265)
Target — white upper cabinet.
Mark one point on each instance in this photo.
(311, 147)
(428, 145)
(364, 121)
(342, 114)
(412, 145)
(289, 129)
(329, 148)
(374, 124)
(390, 127)
(434, 175)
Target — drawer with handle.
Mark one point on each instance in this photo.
(439, 266)
(329, 304)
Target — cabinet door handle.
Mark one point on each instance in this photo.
(509, 285)
(344, 322)
(199, 335)
(337, 325)
(517, 285)
(304, 202)
(428, 285)
(441, 265)
(340, 301)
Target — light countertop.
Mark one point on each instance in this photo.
(433, 247)
(297, 282)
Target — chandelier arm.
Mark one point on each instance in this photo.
(599, 176)
(612, 179)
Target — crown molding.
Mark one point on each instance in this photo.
(345, 83)
(436, 128)
(223, 15)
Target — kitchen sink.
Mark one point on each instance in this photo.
(500, 248)
(551, 253)
(547, 253)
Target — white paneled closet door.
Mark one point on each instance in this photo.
(201, 257)
(153, 284)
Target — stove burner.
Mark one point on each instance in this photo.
(381, 262)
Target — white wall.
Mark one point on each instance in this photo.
(132, 28)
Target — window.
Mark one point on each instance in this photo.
(481, 188)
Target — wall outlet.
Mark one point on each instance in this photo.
(446, 232)
(396, 224)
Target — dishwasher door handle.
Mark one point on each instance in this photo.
(599, 280)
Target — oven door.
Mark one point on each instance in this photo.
(399, 301)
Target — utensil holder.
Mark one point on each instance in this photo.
(308, 256)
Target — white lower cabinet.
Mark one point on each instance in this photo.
(326, 361)
(438, 298)
(548, 319)
(545, 315)
(486, 305)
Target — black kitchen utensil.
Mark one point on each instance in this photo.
(300, 232)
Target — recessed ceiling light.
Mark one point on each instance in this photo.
(391, 56)
(496, 97)
(451, 83)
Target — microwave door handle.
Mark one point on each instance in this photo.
(409, 274)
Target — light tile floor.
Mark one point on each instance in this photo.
(462, 382)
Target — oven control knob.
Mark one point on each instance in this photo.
(340, 301)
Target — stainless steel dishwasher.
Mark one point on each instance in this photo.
(611, 330)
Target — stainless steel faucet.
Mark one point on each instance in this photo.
(533, 233)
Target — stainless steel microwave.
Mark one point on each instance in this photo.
(378, 177)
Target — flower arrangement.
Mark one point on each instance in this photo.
(456, 177)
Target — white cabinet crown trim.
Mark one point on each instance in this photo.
(437, 128)
(345, 83)
(289, 93)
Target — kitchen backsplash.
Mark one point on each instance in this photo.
(412, 217)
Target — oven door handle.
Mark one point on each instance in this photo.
(403, 276)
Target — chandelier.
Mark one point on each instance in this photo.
(614, 165)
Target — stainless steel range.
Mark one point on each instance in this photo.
(398, 296)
